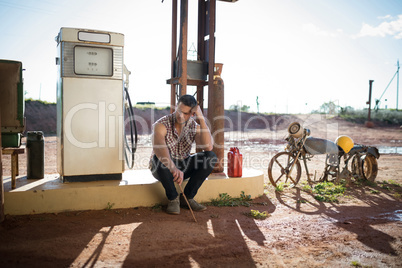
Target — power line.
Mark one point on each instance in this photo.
(32, 9)
(377, 101)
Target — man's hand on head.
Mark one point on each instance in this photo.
(197, 112)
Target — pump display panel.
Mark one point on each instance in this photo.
(93, 61)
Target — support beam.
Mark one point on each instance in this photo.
(201, 30)
(215, 93)
(174, 58)
(201, 46)
(200, 97)
(183, 47)
(211, 50)
(1, 181)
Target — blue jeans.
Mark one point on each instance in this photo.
(197, 167)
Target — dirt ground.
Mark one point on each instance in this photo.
(364, 229)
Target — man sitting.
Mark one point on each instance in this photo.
(171, 162)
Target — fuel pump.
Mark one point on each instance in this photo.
(90, 105)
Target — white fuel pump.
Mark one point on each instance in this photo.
(90, 123)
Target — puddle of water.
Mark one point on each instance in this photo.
(389, 150)
(389, 216)
(255, 146)
(393, 216)
(267, 146)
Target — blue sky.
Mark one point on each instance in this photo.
(293, 54)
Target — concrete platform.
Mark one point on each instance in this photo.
(138, 188)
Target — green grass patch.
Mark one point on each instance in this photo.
(397, 195)
(256, 214)
(392, 182)
(225, 200)
(307, 188)
(391, 117)
(39, 101)
(280, 187)
(328, 192)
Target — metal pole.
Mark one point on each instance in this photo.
(201, 47)
(173, 55)
(1, 180)
(211, 54)
(397, 86)
(215, 94)
(183, 47)
(369, 101)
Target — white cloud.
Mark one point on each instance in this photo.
(386, 17)
(315, 30)
(392, 28)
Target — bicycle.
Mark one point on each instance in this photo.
(359, 161)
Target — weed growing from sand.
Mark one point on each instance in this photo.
(279, 187)
(225, 200)
(157, 207)
(355, 264)
(397, 195)
(374, 191)
(109, 206)
(392, 182)
(256, 214)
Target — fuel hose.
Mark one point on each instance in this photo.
(131, 141)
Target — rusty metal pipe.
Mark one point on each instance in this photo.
(216, 113)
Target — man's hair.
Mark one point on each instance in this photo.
(188, 100)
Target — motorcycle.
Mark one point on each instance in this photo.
(353, 161)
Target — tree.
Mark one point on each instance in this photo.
(329, 108)
(236, 107)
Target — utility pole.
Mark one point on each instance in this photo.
(258, 105)
(397, 85)
(368, 122)
(397, 89)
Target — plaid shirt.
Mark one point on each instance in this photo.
(179, 146)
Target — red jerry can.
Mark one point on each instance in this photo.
(235, 163)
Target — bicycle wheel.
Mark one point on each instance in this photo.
(279, 169)
(369, 167)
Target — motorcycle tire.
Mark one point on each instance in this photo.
(369, 167)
